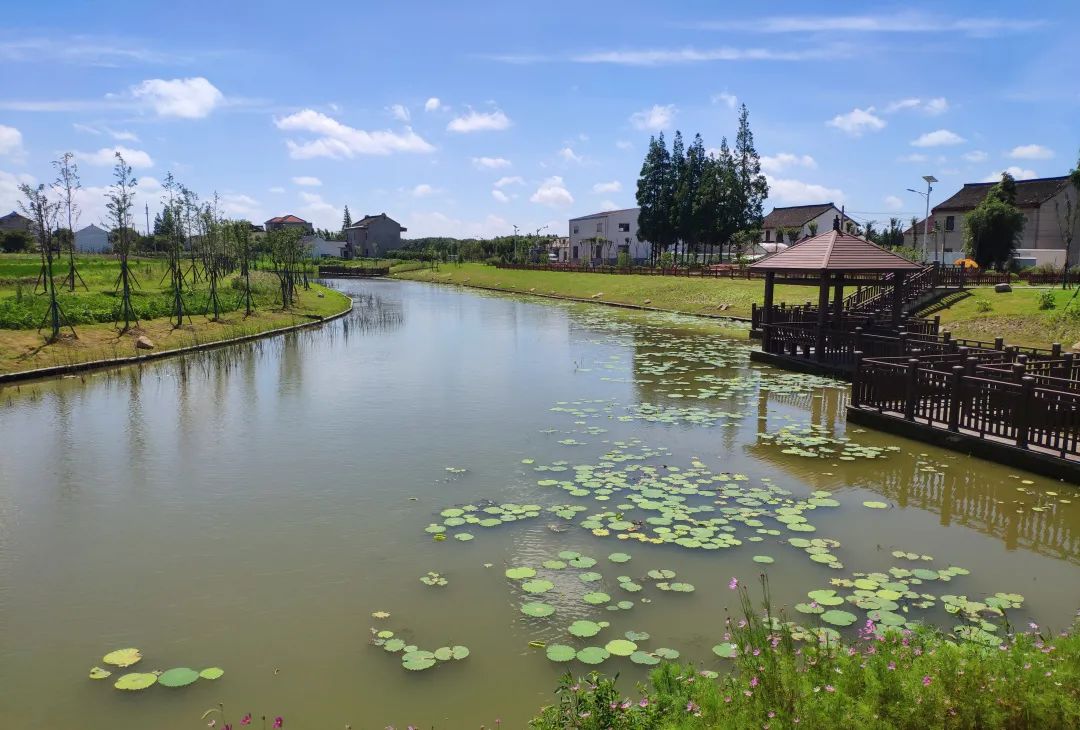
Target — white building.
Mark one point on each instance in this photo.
(320, 247)
(804, 220)
(1041, 201)
(92, 239)
(600, 238)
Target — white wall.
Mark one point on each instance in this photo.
(92, 240)
(619, 227)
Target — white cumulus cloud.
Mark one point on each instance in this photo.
(938, 138)
(336, 140)
(857, 121)
(655, 118)
(106, 156)
(509, 180)
(930, 107)
(1019, 173)
(893, 203)
(192, 98)
(423, 190)
(399, 112)
(797, 192)
(239, 205)
(774, 164)
(433, 104)
(474, 121)
(607, 187)
(975, 156)
(500, 196)
(11, 141)
(553, 192)
(608, 205)
(569, 155)
(307, 181)
(1031, 152)
(490, 163)
(728, 100)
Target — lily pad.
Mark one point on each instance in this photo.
(537, 609)
(596, 598)
(419, 660)
(763, 559)
(136, 681)
(876, 505)
(621, 647)
(537, 586)
(459, 652)
(727, 650)
(122, 657)
(99, 673)
(584, 629)
(561, 653)
(178, 677)
(837, 617)
(211, 673)
(520, 573)
(619, 558)
(637, 635)
(665, 653)
(592, 655)
(394, 645)
(644, 658)
(443, 653)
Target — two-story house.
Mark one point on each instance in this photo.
(802, 219)
(600, 238)
(283, 222)
(372, 236)
(1042, 201)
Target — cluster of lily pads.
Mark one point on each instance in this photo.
(813, 441)
(629, 646)
(413, 657)
(131, 681)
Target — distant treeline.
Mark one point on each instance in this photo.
(442, 248)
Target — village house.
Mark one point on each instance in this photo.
(804, 220)
(283, 222)
(1042, 201)
(92, 239)
(600, 238)
(372, 236)
(323, 248)
(15, 222)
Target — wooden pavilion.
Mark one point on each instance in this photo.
(831, 261)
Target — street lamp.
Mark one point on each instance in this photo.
(930, 180)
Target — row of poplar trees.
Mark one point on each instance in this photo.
(202, 247)
(693, 201)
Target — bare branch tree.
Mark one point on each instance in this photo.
(120, 199)
(44, 214)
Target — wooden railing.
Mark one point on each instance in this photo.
(1035, 413)
(354, 272)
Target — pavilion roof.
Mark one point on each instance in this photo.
(835, 251)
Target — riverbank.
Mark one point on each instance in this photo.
(1016, 316)
(24, 354)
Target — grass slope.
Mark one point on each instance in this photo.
(1015, 316)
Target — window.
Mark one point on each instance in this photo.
(597, 250)
(624, 228)
(950, 223)
(575, 248)
(600, 227)
(575, 233)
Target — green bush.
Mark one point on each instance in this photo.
(983, 305)
(1046, 299)
(887, 678)
(623, 261)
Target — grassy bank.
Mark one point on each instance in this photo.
(25, 349)
(1016, 316)
(887, 678)
(691, 295)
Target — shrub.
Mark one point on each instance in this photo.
(623, 261)
(1046, 299)
(983, 305)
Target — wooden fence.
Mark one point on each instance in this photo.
(353, 272)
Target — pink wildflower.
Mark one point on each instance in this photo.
(733, 583)
(830, 688)
(926, 681)
(754, 681)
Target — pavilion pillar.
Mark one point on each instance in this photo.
(822, 316)
(767, 315)
(898, 297)
(838, 302)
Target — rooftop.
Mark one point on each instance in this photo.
(794, 216)
(834, 251)
(603, 213)
(290, 218)
(1029, 193)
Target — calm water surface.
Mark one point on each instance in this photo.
(251, 508)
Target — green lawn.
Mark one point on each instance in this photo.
(1015, 316)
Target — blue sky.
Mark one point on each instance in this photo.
(468, 118)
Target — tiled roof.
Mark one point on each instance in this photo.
(1029, 193)
(920, 226)
(794, 216)
(834, 251)
(287, 219)
(603, 213)
(363, 222)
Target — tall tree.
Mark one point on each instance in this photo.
(213, 260)
(994, 225)
(753, 186)
(1068, 219)
(43, 214)
(718, 204)
(678, 178)
(67, 186)
(346, 221)
(239, 233)
(692, 218)
(170, 227)
(120, 199)
(655, 195)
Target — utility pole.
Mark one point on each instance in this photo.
(930, 180)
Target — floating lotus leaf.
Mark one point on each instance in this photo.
(582, 561)
(537, 609)
(619, 558)
(646, 659)
(763, 559)
(637, 635)
(924, 574)
(443, 653)
(519, 573)
(136, 681)
(178, 677)
(584, 629)
(569, 554)
(661, 574)
(122, 657)
(452, 512)
(459, 652)
(592, 655)
(590, 577)
(385, 634)
(537, 586)
(665, 653)
(554, 564)
(99, 673)
(838, 618)
(561, 653)
(886, 618)
(621, 647)
(394, 645)
(808, 608)
(630, 586)
(596, 598)
(875, 505)
(463, 536)
(825, 597)
(727, 650)
(417, 661)
(380, 614)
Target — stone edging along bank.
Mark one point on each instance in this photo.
(621, 305)
(57, 370)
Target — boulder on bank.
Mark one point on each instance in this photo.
(142, 342)
(1002, 288)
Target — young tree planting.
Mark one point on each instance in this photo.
(120, 200)
(43, 213)
(67, 186)
(286, 257)
(242, 246)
